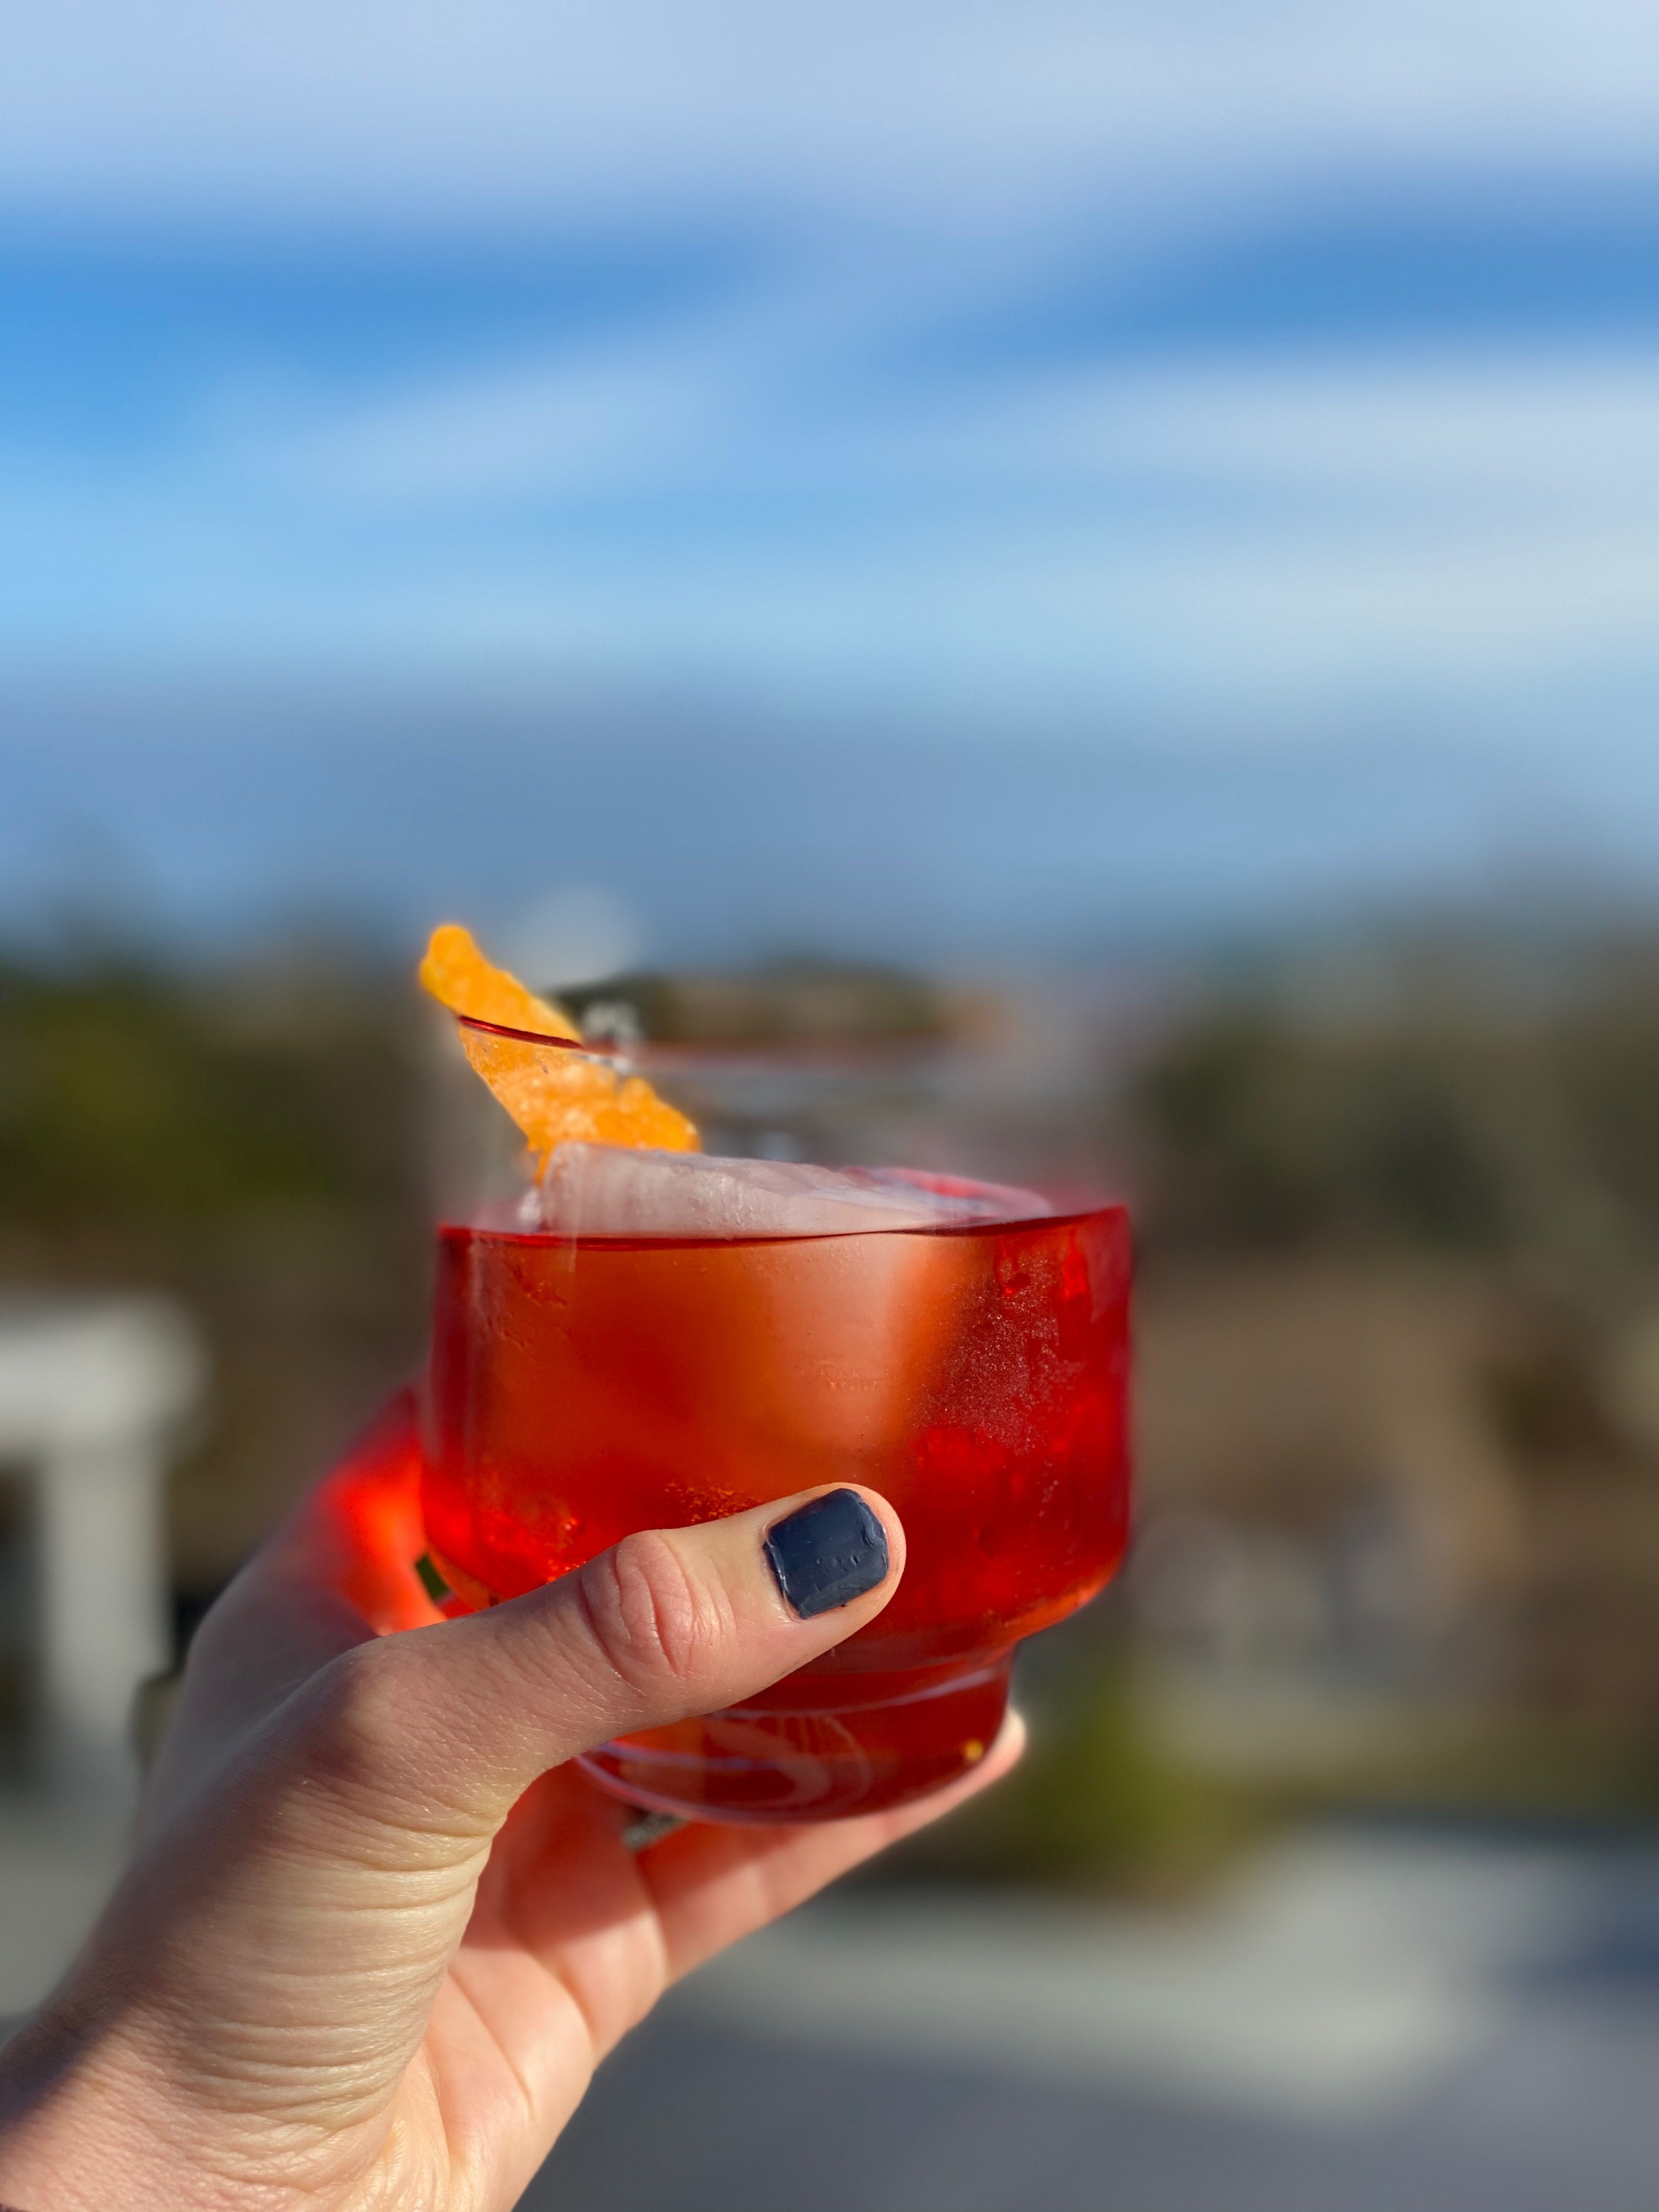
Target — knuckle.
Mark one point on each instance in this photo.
(357, 1703)
(657, 1624)
(368, 1765)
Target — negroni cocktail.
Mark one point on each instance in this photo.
(647, 1337)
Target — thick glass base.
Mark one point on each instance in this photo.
(793, 1755)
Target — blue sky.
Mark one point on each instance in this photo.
(1257, 382)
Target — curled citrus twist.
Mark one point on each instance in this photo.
(556, 1097)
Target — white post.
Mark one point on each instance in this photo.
(103, 1598)
(92, 1394)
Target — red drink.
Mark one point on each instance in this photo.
(583, 1388)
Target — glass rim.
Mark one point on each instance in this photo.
(530, 1036)
(1068, 1201)
(799, 1051)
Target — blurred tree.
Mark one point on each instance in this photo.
(250, 1141)
(1464, 1127)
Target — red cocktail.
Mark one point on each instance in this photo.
(971, 1367)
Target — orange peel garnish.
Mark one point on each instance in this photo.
(459, 977)
(556, 1097)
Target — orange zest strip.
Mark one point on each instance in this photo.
(459, 977)
(556, 1097)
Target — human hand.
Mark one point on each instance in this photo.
(377, 1932)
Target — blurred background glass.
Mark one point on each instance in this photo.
(1127, 534)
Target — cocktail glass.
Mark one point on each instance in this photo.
(583, 1385)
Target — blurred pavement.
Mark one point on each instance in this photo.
(1366, 2021)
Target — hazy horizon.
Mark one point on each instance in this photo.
(222, 814)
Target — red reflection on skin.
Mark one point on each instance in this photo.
(365, 1528)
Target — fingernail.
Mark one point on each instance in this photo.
(828, 1553)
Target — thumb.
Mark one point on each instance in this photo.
(457, 1720)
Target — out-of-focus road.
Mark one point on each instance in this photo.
(1366, 2023)
(1381, 2020)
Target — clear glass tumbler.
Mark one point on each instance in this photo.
(617, 1347)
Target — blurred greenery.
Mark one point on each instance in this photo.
(796, 1001)
(249, 1141)
(131, 1099)
(1458, 1128)
(1499, 1113)
(251, 1138)
(1097, 1801)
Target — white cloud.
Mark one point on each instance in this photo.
(1544, 435)
(601, 416)
(599, 424)
(1289, 538)
(1294, 533)
(924, 113)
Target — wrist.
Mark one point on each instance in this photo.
(65, 2140)
(95, 2118)
(85, 2125)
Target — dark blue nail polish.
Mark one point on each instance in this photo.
(830, 1553)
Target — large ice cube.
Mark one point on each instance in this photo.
(839, 1340)
(606, 1190)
